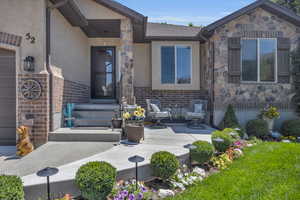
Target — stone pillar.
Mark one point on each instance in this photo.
(127, 71)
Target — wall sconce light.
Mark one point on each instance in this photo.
(29, 64)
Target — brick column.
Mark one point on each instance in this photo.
(37, 110)
(127, 71)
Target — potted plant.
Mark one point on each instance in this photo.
(269, 114)
(117, 120)
(134, 124)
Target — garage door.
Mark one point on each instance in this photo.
(7, 98)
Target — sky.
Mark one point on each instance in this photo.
(183, 12)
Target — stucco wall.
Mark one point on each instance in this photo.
(142, 65)
(250, 95)
(156, 66)
(69, 49)
(20, 17)
(93, 10)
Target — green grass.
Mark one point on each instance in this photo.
(269, 171)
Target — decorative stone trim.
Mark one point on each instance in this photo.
(10, 39)
(245, 106)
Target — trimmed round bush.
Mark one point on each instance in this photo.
(11, 188)
(221, 140)
(164, 164)
(258, 128)
(291, 128)
(203, 153)
(96, 180)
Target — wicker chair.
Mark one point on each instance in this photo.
(155, 113)
(197, 114)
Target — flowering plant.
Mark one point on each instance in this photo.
(137, 114)
(222, 161)
(183, 178)
(127, 191)
(270, 112)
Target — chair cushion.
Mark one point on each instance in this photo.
(162, 114)
(154, 107)
(198, 108)
(195, 115)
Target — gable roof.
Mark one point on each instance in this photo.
(158, 31)
(274, 8)
(121, 9)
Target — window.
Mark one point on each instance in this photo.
(259, 60)
(176, 64)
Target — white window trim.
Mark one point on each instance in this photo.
(175, 57)
(258, 61)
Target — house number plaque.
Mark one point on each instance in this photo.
(31, 89)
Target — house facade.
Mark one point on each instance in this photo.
(91, 51)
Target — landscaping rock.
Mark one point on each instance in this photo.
(286, 141)
(165, 193)
(199, 171)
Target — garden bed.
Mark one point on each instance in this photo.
(266, 171)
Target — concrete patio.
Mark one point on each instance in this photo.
(171, 139)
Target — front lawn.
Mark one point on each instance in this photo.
(269, 171)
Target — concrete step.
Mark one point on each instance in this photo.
(102, 115)
(97, 134)
(103, 101)
(96, 107)
(92, 122)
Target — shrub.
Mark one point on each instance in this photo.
(11, 188)
(258, 128)
(203, 152)
(291, 128)
(230, 121)
(221, 140)
(164, 164)
(96, 180)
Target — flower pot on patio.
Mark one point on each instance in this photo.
(117, 123)
(270, 123)
(135, 133)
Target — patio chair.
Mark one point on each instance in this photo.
(197, 114)
(155, 113)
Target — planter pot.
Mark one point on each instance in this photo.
(134, 133)
(117, 123)
(270, 123)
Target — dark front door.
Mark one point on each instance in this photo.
(103, 73)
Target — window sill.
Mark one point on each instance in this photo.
(259, 83)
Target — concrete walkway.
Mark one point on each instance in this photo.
(52, 154)
(171, 139)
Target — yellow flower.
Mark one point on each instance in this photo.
(126, 115)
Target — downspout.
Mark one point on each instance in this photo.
(48, 55)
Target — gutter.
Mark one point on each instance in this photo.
(48, 55)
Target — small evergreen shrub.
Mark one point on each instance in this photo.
(258, 128)
(230, 121)
(221, 140)
(96, 180)
(11, 188)
(164, 164)
(291, 128)
(203, 152)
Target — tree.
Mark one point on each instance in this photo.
(294, 5)
(191, 24)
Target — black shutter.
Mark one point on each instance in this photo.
(234, 60)
(283, 59)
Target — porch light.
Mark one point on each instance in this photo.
(47, 172)
(136, 159)
(29, 64)
(190, 147)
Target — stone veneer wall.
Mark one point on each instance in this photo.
(181, 98)
(36, 109)
(127, 89)
(250, 96)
